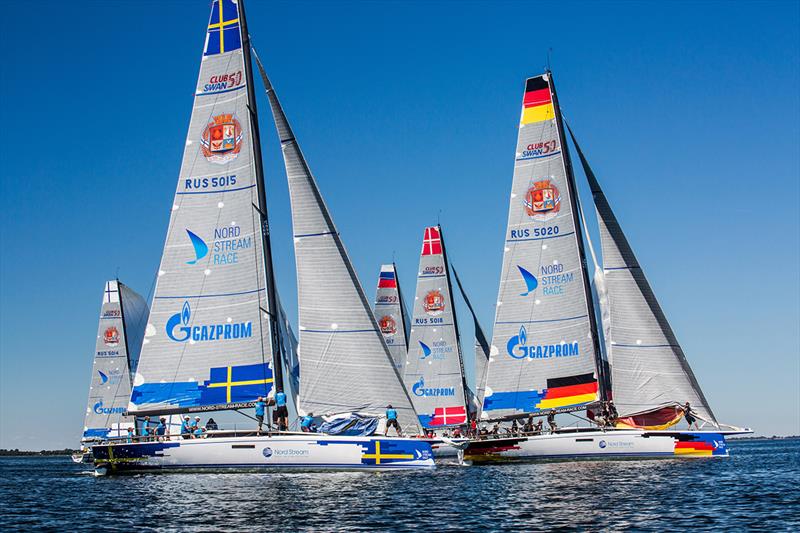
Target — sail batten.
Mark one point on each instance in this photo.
(544, 331)
(649, 369)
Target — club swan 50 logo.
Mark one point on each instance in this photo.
(517, 347)
(205, 332)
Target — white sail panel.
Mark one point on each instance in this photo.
(208, 339)
(123, 315)
(434, 370)
(390, 314)
(344, 362)
(648, 367)
(543, 353)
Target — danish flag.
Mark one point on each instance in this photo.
(448, 416)
(432, 243)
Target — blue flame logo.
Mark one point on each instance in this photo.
(200, 248)
(178, 318)
(530, 281)
(417, 388)
(519, 340)
(426, 350)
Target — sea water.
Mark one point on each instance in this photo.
(758, 487)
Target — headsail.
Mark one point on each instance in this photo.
(434, 371)
(648, 367)
(123, 315)
(208, 343)
(344, 361)
(481, 347)
(544, 347)
(390, 314)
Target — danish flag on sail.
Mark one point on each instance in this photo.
(432, 243)
(448, 416)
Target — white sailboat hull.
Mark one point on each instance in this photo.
(598, 444)
(286, 451)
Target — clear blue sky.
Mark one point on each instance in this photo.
(689, 113)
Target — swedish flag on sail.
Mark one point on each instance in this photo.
(223, 28)
(234, 384)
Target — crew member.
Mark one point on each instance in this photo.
(281, 411)
(211, 425)
(306, 424)
(551, 421)
(186, 428)
(391, 421)
(688, 413)
(161, 428)
(260, 407)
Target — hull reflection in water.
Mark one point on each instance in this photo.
(298, 451)
(595, 444)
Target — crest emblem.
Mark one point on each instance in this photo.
(542, 201)
(433, 303)
(388, 325)
(111, 337)
(222, 139)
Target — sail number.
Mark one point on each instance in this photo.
(534, 232)
(428, 321)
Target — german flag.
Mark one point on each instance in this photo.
(570, 390)
(537, 105)
(694, 449)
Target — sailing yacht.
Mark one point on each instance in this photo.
(217, 338)
(123, 315)
(390, 312)
(546, 354)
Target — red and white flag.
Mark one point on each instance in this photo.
(432, 243)
(448, 416)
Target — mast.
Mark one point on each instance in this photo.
(402, 303)
(455, 322)
(262, 209)
(573, 193)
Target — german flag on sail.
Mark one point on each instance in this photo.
(570, 390)
(537, 105)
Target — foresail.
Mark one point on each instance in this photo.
(543, 352)
(208, 339)
(481, 348)
(344, 361)
(434, 370)
(118, 337)
(390, 314)
(648, 367)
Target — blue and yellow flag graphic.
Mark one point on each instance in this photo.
(223, 28)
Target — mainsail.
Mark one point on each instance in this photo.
(434, 371)
(481, 347)
(123, 315)
(648, 367)
(390, 314)
(344, 360)
(544, 346)
(209, 343)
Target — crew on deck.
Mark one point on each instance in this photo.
(261, 405)
(688, 414)
(307, 424)
(391, 421)
(281, 416)
(186, 428)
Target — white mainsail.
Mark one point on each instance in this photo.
(123, 315)
(434, 370)
(208, 343)
(544, 349)
(390, 314)
(344, 361)
(648, 367)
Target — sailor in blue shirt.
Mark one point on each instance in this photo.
(186, 430)
(391, 421)
(307, 424)
(260, 407)
(281, 411)
(161, 428)
(198, 433)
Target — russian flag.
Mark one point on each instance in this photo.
(387, 279)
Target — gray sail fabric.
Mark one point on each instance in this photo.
(208, 344)
(648, 366)
(481, 349)
(390, 314)
(119, 339)
(344, 361)
(542, 352)
(290, 362)
(434, 369)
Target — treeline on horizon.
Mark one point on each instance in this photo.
(16, 451)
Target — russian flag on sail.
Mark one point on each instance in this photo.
(432, 242)
(387, 279)
(537, 105)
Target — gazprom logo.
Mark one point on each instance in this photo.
(517, 347)
(206, 332)
(419, 389)
(100, 410)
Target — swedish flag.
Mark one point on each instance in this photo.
(234, 384)
(223, 28)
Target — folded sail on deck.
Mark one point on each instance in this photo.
(344, 360)
(208, 339)
(543, 352)
(391, 315)
(434, 371)
(123, 315)
(648, 367)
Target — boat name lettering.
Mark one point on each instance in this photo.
(517, 347)
(195, 184)
(207, 332)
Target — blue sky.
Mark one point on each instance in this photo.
(688, 112)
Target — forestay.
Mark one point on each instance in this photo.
(208, 339)
(434, 372)
(543, 351)
(390, 314)
(123, 315)
(344, 361)
(648, 367)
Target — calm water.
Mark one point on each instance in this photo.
(758, 487)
